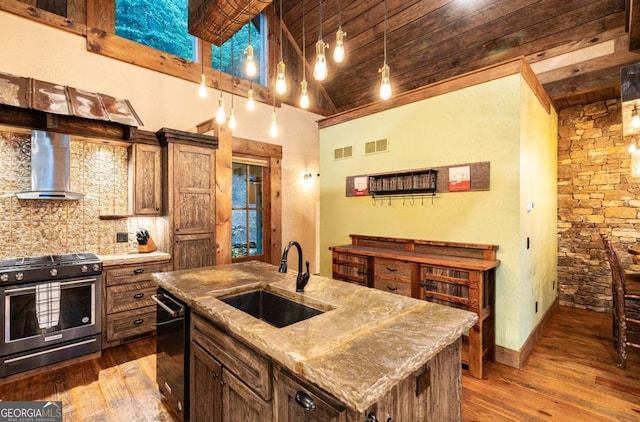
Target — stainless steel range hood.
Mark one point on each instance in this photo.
(50, 167)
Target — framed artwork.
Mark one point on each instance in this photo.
(459, 178)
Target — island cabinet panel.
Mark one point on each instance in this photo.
(240, 403)
(460, 275)
(293, 394)
(352, 268)
(206, 388)
(128, 311)
(146, 179)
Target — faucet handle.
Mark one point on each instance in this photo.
(307, 264)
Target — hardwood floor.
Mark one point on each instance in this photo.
(570, 376)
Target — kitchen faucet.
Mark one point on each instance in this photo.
(303, 278)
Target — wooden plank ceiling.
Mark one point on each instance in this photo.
(576, 47)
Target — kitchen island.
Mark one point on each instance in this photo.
(368, 352)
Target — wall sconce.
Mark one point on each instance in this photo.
(307, 177)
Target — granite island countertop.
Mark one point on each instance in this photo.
(364, 343)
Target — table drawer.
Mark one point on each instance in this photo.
(392, 286)
(131, 323)
(351, 268)
(392, 269)
(130, 296)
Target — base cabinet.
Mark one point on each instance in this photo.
(128, 311)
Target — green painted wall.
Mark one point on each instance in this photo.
(497, 121)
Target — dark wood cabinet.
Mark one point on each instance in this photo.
(460, 275)
(128, 310)
(145, 175)
(206, 387)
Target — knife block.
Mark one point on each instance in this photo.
(149, 247)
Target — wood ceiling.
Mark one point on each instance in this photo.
(576, 47)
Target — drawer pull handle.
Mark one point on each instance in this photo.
(429, 285)
(361, 271)
(138, 271)
(393, 270)
(138, 296)
(392, 288)
(305, 401)
(138, 321)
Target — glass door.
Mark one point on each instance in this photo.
(248, 210)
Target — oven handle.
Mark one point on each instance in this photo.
(64, 283)
(174, 314)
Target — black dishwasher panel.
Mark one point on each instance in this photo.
(172, 352)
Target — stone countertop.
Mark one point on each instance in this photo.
(133, 258)
(364, 343)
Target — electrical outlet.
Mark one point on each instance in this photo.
(536, 306)
(122, 237)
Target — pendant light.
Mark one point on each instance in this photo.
(385, 84)
(221, 115)
(338, 51)
(281, 80)
(250, 68)
(304, 93)
(251, 105)
(320, 68)
(232, 116)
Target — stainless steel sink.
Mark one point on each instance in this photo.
(271, 308)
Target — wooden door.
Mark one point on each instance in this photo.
(205, 386)
(240, 403)
(193, 251)
(146, 179)
(194, 189)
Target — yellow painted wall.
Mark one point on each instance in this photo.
(479, 123)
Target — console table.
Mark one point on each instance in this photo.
(461, 275)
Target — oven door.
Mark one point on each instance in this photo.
(78, 315)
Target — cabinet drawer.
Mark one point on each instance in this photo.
(392, 286)
(246, 364)
(351, 268)
(392, 269)
(126, 297)
(131, 323)
(133, 273)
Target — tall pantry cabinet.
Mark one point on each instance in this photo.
(189, 173)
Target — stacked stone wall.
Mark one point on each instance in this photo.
(596, 195)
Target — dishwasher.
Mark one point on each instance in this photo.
(172, 352)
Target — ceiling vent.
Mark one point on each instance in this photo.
(381, 145)
(341, 153)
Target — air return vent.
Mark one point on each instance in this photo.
(381, 145)
(344, 152)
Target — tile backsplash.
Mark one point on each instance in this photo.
(42, 227)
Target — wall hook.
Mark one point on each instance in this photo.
(403, 198)
(411, 202)
(374, 200)
(389, 201)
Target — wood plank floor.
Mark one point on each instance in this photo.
(570, 376)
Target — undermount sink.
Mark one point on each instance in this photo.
(271, 308)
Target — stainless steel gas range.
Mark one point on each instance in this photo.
(50, 310)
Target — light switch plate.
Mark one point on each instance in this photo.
(122, 237)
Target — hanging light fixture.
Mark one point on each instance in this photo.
(385, 84)
(232, 116)
(251, 105)
(250, 67)
(338, 51)
(281, 80)
(304, 93)
(320, 69)
(221, 115)
(635, 118)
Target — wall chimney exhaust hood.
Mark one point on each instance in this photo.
(50, 167)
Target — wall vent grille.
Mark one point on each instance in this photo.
(342, 153)
(380, 145)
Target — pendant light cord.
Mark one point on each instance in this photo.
(320, 32)
(304, 47)
(385, 32)
(280, 30)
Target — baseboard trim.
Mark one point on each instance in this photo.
(518, 358)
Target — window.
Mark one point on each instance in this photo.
(160, 24)
(247, 226)
(239, 43)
